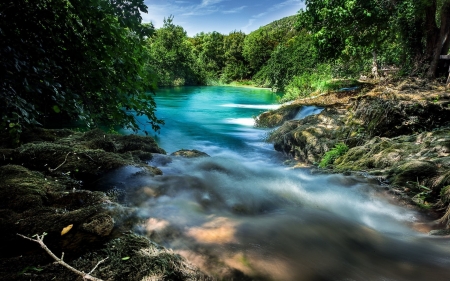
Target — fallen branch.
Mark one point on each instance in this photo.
(89, 157)
(52, 170)
(86, 276)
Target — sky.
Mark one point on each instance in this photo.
(222, 16)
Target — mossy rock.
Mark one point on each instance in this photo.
(44, 135)
(135, 258)
(308, 139)
(413, 171)
(134, 142)
(32, 204)
(189, 153)
(275, 118)
(83, 164)
(22, 189)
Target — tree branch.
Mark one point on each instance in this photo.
(52, 170)
(86, 276)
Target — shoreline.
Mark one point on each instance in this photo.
(47, 181)
(382, 142)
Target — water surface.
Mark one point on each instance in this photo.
(241, 215)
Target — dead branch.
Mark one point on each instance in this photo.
(52, 170)
(86, 276)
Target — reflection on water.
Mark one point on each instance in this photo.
(241, 215)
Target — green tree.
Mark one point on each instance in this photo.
(236, 67)
(348, 28)
(208, 48)
(354, 28)
(79, 58)
(172, 57)
(294, 57)
(259, 44)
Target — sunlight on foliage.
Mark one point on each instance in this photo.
(330, 156)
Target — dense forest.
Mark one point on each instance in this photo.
(67, 57)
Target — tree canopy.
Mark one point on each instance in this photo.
(81, 58)
(94, 60)
(419, 29)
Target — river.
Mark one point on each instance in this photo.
(243, 215)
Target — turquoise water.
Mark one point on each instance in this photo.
(212, 118)
(242, 215)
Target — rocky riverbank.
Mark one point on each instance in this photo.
(48, 184)
(398, 132)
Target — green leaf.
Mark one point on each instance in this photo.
(125, 258)
(56, 109)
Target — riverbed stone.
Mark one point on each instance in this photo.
(189, 153)
(400, 136)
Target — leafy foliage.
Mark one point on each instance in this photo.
(330, 156)
(172, 57)
(83, 59)
(411, 34)
(209, 52)
(259, 44)
(236, 67)
(291, 58)
(303, 85)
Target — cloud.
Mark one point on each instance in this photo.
(259, 15)
(284, 4)
(278, 7)
(206, 3)
(249, 24)
(207, 7)
(235, 10)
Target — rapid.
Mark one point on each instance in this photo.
(242, 214)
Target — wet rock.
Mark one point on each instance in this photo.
(40, 193)
(275, 118)
(131, 252)
(440, 232)
(413, 171)
(308, 139)
(100, 225)
(189, 153)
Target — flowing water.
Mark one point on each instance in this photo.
(242, 215)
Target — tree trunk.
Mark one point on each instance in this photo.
(431, 29)
(374, 65)
(442, 39)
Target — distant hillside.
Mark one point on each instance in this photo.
(281, 30)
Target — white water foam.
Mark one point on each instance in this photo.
(249, 122)
(286, 224)
(252, 106)
(307, 111)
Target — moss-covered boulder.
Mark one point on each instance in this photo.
(189, 153)
(308, 139)
(413, 171)
(85, 156)
(277, 117)
(31, 203)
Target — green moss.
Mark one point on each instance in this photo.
(445, 194)
(274, 118)
(330, 156)
(135, 258)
